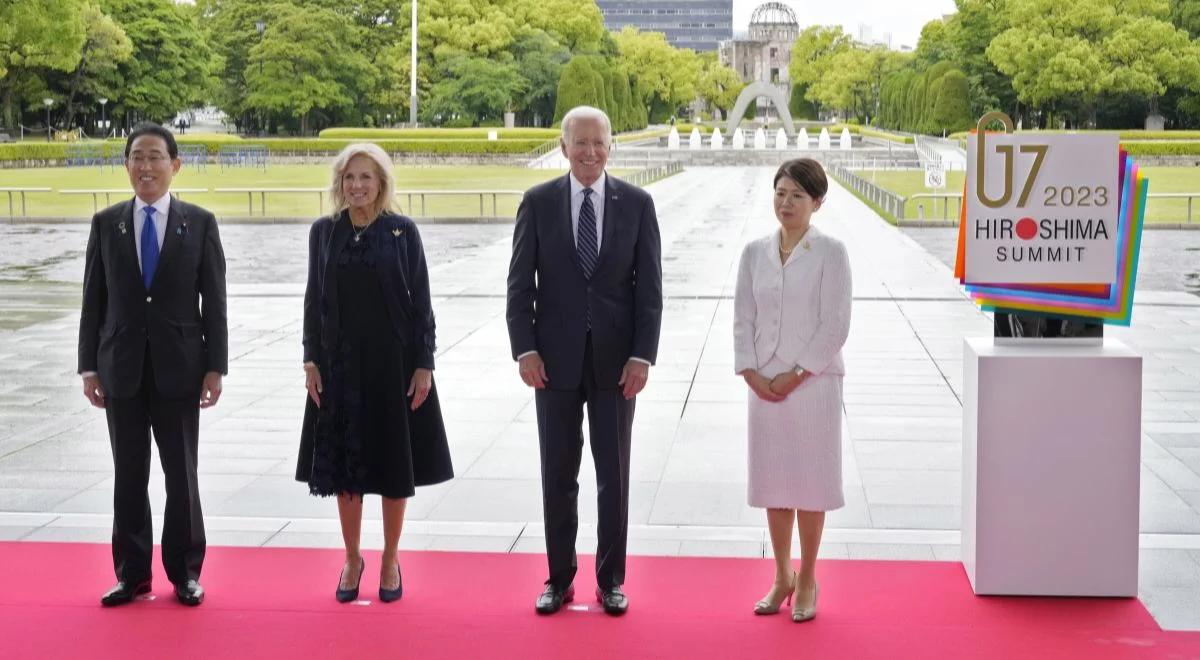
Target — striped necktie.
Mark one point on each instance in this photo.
(586, 246)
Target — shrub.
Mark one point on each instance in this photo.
(435, 133)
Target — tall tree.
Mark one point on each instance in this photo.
(36, 35)
(105, 47)
(171, 66)
(812, 56)
(718, 85)
(662, 76)
(971, 31)
(303, 65)
(540, 60)
(475, 88)
(1082, 51)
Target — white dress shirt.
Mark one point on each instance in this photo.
(798, 311)
(162, 208)
(597, 204)
(597, 188)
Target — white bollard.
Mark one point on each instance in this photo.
(716, 141)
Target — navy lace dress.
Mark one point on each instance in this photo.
(364, 438)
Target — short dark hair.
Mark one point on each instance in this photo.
(150, 128)
(806, 173)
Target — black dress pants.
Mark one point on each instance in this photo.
(560, 436)
(175, 423)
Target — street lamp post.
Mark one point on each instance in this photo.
(103, 119)
(48, 102)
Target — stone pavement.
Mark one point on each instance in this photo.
(902, 458)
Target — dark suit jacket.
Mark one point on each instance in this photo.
(404, 279)
(549, 298)
(182, 316)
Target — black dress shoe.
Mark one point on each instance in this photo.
(124, 593)
(614, 600)
(351, 594)
(190, 593)
(553, 598)
(392, 595)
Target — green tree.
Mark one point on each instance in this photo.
(935, 44)
(812, 56)
(971, 31)
(171, 65)
(36, 36)
(854, 78)
(951, 107)
(718, 85)
(661, 76)
(1185, 14)
(106, 45)
(1080, 52)
(540, 59)
(580, 84)
(302, 65)
(475, 88)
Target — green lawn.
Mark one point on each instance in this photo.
(1162, 180)
(55, 204)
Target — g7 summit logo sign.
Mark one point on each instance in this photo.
(1041, 208)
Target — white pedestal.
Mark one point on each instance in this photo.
(1051, 468)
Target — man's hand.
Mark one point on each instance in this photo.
(210, 391)
(786, 382)
(533, 371)
(760, 386)
(94, 391)
(419, 386)
(634, 377)
(312, 382)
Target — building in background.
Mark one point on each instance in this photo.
(696, 24)
(764, 53)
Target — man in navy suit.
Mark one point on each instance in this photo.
(153, 345)
(584, 312)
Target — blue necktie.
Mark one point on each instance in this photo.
(587, 235)
(149, 248)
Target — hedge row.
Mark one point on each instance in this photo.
(881, 135)
(58, 150)
(1131, 134)
(1174, 148)
(437, 133)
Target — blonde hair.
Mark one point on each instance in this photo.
(585, 112)
(383, 168)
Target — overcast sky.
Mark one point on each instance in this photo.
(903, 19)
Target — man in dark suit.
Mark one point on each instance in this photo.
(153, 345)
(584, 311)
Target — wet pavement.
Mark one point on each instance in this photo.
(901, 454)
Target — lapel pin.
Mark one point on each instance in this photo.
(806, 245)
(121, 226)
(397, 232)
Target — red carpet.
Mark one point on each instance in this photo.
(267, 603)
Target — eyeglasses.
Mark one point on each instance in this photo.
(151, 159)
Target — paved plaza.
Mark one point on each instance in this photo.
(901, 458)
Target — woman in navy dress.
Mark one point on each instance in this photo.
(372, 423)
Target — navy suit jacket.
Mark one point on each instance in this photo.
(182, 317)
(403, 277)
(549, 299)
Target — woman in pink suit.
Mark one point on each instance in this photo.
(791, 318)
